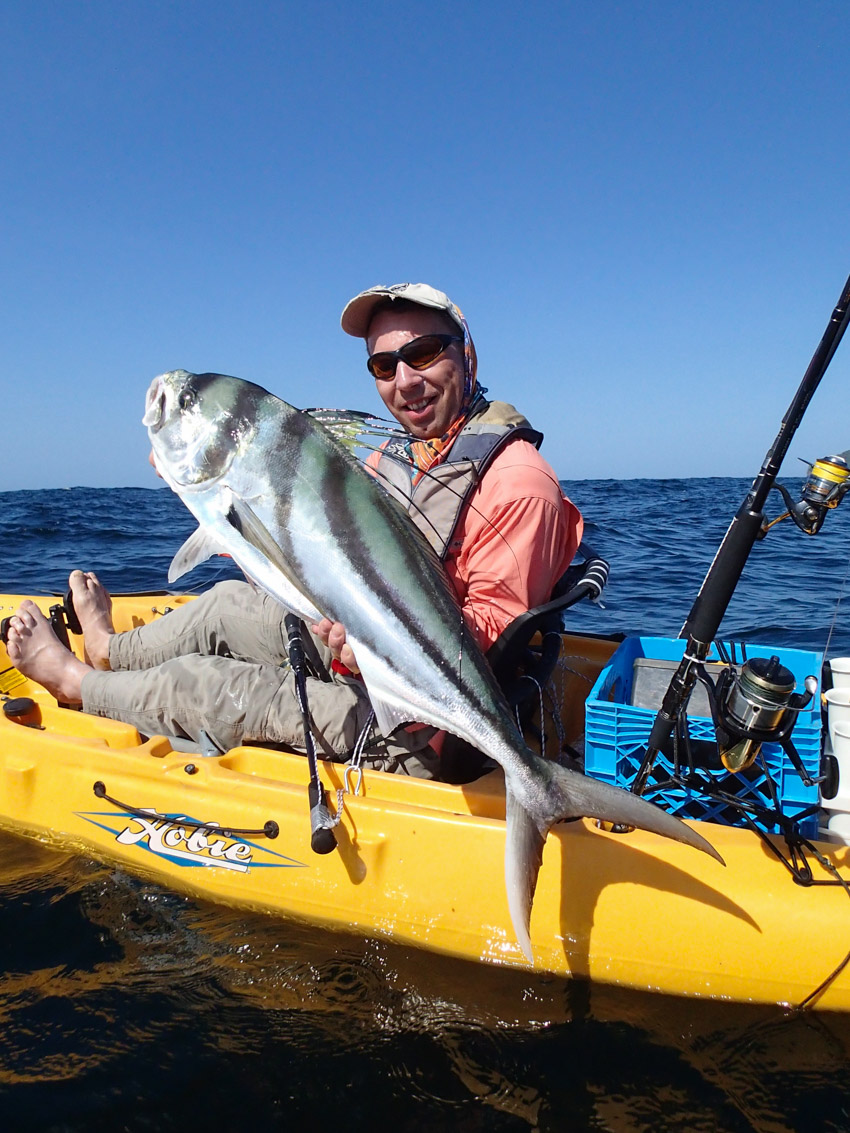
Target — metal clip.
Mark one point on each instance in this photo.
(349, 767)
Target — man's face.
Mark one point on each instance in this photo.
(424, 402)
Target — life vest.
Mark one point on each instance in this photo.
(435, 502)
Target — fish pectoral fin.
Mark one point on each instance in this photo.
(199, 547)
(590, 798)
(523, 856)
(245, 522)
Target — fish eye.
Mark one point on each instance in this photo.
(185, 399)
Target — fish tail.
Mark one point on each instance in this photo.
(523, 857)
(573, 795)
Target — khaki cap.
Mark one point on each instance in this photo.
(358, 313)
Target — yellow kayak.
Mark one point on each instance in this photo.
(423, 862)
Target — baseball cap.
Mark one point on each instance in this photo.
(358, 312)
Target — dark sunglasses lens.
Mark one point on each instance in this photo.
(382, 365)
(421, 351)
(417, 354)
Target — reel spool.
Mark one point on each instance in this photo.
(827, 478)
(824, 489)
(757, 705)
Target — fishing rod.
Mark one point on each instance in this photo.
(746, 528)
(322, 838)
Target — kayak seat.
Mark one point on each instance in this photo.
(524, 662)
(520, 666)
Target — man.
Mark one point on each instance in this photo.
(472, 480)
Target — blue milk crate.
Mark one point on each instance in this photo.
(623, 704)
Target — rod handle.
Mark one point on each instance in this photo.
(322, 839)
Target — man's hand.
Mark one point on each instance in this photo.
(333, 635)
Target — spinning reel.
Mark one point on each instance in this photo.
(757, 704)
(824, 489)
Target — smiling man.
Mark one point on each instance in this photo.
(419, 371)
(469, 474)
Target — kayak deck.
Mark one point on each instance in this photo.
(423, 862)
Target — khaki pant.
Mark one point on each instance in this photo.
(220, 665)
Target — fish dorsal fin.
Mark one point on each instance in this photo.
(351, 428)
(199, 547)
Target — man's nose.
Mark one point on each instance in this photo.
(406, 377)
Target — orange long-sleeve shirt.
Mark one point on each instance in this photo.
(516, 536)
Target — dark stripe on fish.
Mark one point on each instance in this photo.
(340, 468)
(240, 397)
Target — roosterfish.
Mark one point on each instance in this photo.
(274, 488)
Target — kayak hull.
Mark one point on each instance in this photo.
(422, 863)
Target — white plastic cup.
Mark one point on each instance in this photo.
(837, 710)
(841, 751)
(839, 827)
(840, 668)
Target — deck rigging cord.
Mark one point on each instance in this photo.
(270, 829)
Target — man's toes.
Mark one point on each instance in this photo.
(76, 581)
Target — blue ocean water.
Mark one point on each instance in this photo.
(125, 1007)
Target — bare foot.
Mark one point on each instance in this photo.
(36, 651)
(94, 609)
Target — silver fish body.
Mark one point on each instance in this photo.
(271, 486)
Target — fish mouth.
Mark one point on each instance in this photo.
(155, 405)
(193, 447)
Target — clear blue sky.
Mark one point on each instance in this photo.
(640, 207)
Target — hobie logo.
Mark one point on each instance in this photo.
(176, 841)
(187, 845)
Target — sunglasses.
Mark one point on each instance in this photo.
(419, 353)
